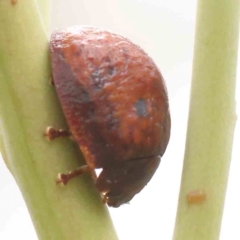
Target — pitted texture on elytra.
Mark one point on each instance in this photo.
(112, 94)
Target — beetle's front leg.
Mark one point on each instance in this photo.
(51, 81)
(64, 178)
(52, 133)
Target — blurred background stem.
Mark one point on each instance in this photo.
(211, 123)
(28, 104)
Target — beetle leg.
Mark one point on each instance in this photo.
(104, 198)
(52, 133)
(64, 178)
(51, 82)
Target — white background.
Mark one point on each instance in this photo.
(164, 29)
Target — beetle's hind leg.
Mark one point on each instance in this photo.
(51, 81)
(64, 178)
(52, 133)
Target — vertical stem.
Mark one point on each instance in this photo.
(43, 7)
(211, 121)
(28, 104)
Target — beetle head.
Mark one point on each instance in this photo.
(119, 183)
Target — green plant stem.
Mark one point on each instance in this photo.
(28, 104)
(211, 120)
(43, 6)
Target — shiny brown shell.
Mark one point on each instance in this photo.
(116, 105)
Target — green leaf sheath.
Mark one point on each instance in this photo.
(28, 104)
(211, 120)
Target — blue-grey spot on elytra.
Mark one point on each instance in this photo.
(95, 75)
(97, 80)
(141, 108)
(111, 70)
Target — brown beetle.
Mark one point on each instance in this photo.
(116, 105)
